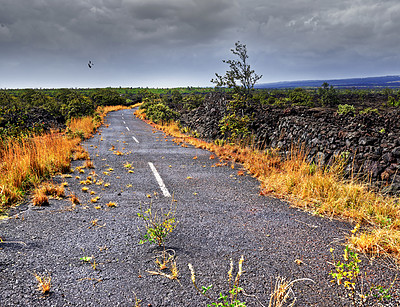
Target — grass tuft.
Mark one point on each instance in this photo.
(40, 198)
(44, 282)
(74, 199)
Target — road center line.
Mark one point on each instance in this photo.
(127, 128)
(135, 139)
(124, 122)
(159, 180)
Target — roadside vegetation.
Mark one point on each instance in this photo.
(40, 135)
(323, 190)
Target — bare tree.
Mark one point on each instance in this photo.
(240, 77)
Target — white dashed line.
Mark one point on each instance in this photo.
(127, 128)
(124, 122)
(159, 180)
(135, 139)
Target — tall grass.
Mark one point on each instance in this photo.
(320, 190)
(25, 162)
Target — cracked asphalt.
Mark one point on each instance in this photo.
(221, 217)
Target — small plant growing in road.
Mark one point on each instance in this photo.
(228, 300)
(111, 204)
(166, 260)
(90, 260)
(348, 274)
(158, 225)
(283, 293)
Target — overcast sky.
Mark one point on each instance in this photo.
(170, 43)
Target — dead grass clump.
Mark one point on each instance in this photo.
(283, 294)
(377, 241)
(80, 153)
(74, 199)
(40, 195)
(40, 198)
(140, 114)
(88, 164)
(111, 204)
(51, 189)
(44, 282)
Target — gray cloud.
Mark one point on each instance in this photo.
(166, 41)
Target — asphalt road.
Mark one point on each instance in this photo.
(221, 217)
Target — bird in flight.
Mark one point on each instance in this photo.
(90, 64)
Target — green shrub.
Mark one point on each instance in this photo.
(107, 97)
(393, 102)
(369, 111)
(234, 127)
(299, 96)
(328, 95)
(160, 113)
(344, 109)
(77, 107)
(192, 101)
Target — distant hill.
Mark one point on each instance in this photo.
(369, 82)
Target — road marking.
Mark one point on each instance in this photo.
(124, 122)
(159, 180)
(135, 139)
(127, 128)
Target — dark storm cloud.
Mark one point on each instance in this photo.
(159, 38)
(66, 25)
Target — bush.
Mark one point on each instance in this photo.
(393, 102)
(344, 109)
(107, 97)
(369, 111)
(78, 107)
(192, 101)
(160, 113)
(234, 127)
(328, 95)
(300, 97)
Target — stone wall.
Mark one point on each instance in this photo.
(370, 141)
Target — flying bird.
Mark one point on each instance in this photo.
(90, 64)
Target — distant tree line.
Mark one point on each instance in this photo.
(35, 111)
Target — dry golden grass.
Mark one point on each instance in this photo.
(40, 195)
(26, 162)
(111, 204)
(283, 294)
(88, 164)
(50, 188)
(84, 125)
(74, 199)
(102, 111)
(80, 153)
(44, 282)
(40, 198)
(316, 189)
